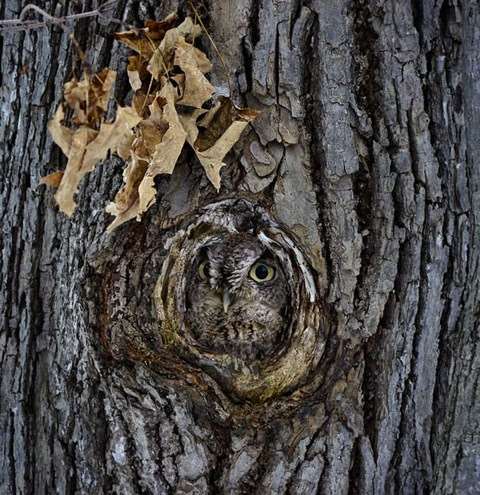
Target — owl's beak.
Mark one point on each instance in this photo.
(227, 300)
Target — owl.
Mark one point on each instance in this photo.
(237, 298)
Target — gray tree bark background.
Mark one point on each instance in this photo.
(367, 149)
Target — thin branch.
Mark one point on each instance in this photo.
(21, 24)
(160, 53)
(224, 65)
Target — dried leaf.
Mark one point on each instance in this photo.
(133, 175)
(189, 123)
(52, 180)
(136, 71)
(225, 125)
(149, 136)
(124, 149)
(141, 102)
(136, 40)
(218, 120)
(126, 203)
(158, 65)
(186, 30)
(87, 148)
(156, 151)
(212, 158)
(199, 58)
(134, 79)
(151, 130)
(179, 81)
(157, 29)
(101, 85)
(163, 57)
(89, 97)
(144, 41)
(197, 88)
(111, 137)
(166, 153)
(60, 134)
(74, 170)
(122, 217)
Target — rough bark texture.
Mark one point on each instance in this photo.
(367, 150)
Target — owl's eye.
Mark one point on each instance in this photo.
(261, 272)
(203, 270)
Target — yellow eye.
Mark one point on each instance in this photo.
(261, 272)
(203, 270)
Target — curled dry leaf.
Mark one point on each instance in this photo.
(75, 169)
(144, 41)
(60, 134)
(126, 204)
(186, 30)
(89, 97)
(163, 58)
(86, 146)
(52, 180)
(197, 89)
(111, 136)
(160, 147)
(198, 58)
(141, 101)
(136, 71)
(221, 128)
(90, 147)
(218, 120)
(150, 132)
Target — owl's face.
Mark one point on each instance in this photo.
(237, 298)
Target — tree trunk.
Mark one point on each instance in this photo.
(364, 153)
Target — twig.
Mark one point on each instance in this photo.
(148, 94)
(155, 48)
(227, 74)
(25, 25)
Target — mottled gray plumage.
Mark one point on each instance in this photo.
(227, 310)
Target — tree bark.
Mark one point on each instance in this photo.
(366, 151)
